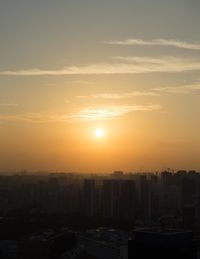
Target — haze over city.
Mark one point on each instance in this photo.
(98, 86)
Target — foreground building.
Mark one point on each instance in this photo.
(143, 243)
(158, 244)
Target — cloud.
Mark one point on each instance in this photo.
(157, 91)
(118, 96)
(158, 42)
(193, 87)
(86, 114)
(8, 104)
(111, 112)
(35, 117)
(81, 82)
(184, 89)
(120, 65)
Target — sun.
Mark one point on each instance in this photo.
(99, 133)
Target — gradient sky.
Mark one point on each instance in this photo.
(71, 66)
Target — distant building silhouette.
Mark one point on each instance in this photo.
(89, 197)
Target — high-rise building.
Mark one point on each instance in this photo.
(89, 197)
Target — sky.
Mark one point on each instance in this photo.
(70, 67)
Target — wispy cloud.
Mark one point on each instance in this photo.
(164, 64)
(86, 114)
(157, 91)
(158, 42)
(8, 104)
(81, 82)
(118, 96)
(183, 89)
(35, 117)
(111, 112)
(120, 65)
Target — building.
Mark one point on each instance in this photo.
(159, 244)
(49, 244)
(89, 197)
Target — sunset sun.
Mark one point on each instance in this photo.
(99, 133)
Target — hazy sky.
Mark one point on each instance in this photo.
(130, 67)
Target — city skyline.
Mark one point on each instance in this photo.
(94, 86)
